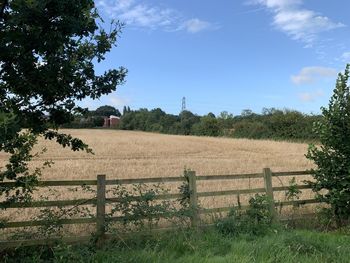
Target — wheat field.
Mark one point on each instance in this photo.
(129, 154)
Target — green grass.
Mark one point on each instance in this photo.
(209, 246)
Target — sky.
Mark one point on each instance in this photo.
(226, 55)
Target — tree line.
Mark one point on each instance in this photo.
(271, 123)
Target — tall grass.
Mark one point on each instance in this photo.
(209, 246)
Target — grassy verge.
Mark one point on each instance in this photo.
(209, 246)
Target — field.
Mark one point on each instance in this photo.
(126, 154)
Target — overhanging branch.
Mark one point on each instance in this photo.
(2, 10)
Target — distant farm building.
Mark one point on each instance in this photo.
(111, 121)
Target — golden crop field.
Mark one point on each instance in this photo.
(128, 154)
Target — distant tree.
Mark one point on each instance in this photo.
(107, 111)
(98, 121)
(153, 120)
(211, 115)
(268, 111)
(332, 158)
(225, 121)
(48, 49)
(170, 123)
(225, 115)
(187, 120)
(124, 110)
(207, 126)
(246, 112)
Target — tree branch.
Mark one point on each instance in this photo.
(2, 10)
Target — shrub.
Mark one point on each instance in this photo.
(332, 158)
(139, 207)
(98, 121)
(256, 220)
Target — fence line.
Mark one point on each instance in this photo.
(101, 200)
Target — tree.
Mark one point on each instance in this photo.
(188, 119)
(332, 158)
(107, 111)
(225, 115)
(247, 112)
(48, 49)
(126, 110)
(211, 115)
(268, 111)
(207, 126)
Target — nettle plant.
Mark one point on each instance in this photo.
(53, 218)
(255, 220)
(293, 194)
(138, 207)
(332, 157)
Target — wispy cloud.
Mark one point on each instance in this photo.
(117, 101)
(346, 57)
(309, 75)
(196, 25)
(311, 96)
(297, 22)
(141, 15)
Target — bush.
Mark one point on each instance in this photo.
(333, 157)
(256, 220)
(98, 121)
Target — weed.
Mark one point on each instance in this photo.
(256, 220)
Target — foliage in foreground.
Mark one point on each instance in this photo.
(332, 158)
(255, 220)
(48, 50)
(207, 246)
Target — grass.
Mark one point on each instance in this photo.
(210, 246)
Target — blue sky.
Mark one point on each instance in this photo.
(227, 55)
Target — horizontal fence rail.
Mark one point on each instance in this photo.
(36, 204)
(101, 200)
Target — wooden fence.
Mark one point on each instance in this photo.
(101, 201)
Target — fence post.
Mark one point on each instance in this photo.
(101, 208)
(193, 198)
(269, 192)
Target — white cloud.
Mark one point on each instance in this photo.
(142, 15)
(277, 3)
(346, 56)
(196, 25)
(298, 23)
(117, 101)
(310, 96)
(309, 75)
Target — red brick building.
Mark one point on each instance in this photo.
(111, 121)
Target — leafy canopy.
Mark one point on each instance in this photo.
(106, 111)
(333, 156)
(48, 52)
